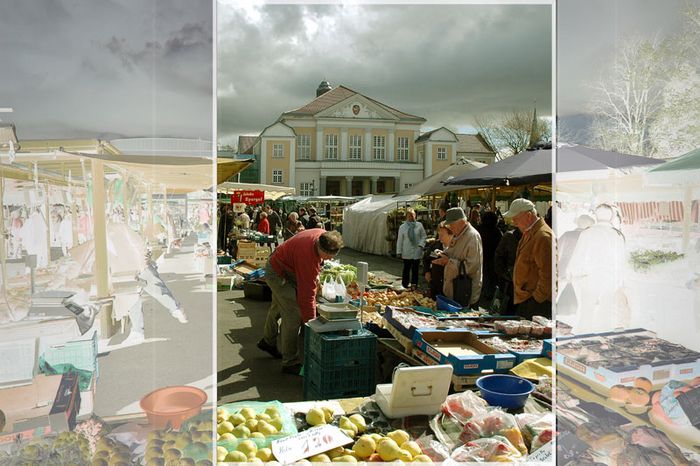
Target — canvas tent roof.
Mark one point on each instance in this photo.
(536, 166)
(683, 170)
(434, 184)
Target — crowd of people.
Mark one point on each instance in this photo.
(502, 261)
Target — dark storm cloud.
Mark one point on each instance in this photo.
(107, 67)
(446, 63)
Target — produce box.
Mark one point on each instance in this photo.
(467, 354)
(224, 260)
(548, 347)
(248, 270)
(257, 290)
(81, 354)
(409, 332)
(613, 358)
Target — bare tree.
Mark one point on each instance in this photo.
(513, 132)
(628, 99)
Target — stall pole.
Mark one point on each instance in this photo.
(47, 206)
(687, 212)
(2, 241)
(73, 211)
(100, 235)
(149, 213)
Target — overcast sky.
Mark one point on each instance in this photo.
(107, 68)
(446, 63)
(588, 33)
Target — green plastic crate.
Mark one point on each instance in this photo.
(337, 349)
(80, 354)
(338, 382)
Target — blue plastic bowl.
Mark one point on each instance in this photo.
(506, 391)
(446, 304)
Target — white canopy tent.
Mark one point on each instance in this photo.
(365, 223)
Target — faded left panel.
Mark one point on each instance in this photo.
(106, 170)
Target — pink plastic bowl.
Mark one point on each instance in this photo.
(172, 404)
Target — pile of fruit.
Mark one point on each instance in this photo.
(400, 299)
(246, 451)
(191, 447)
(66, 448)
(395, 446)
(247, 423)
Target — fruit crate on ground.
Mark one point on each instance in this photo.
(337, 382)
(336, 349)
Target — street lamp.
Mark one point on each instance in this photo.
(313, 187)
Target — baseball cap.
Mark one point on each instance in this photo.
(519, 206)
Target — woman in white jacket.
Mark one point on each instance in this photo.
(409, 246)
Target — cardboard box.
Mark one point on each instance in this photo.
(248, 270)
(463, 350)
(66, 405)
(659, 372)
(28, 406)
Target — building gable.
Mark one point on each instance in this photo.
(357, 107)
(278, 130)
(438, 135)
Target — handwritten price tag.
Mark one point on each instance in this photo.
(308, 443)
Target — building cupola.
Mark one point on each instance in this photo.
(324, 87)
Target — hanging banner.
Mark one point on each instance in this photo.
(249, 197)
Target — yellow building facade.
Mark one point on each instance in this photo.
(345, 143)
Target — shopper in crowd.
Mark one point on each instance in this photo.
(303, 217)
(504, 263)
(532, 274)
(245, 220)
(490, 237)
(263, 224)
(274, 219)
(465, 248)
(292, 273)
(442, 211)
(314, 220)
(475, 215)
(566, 297)
(596, 272)
(292, 226)
(409, 247)
(434, 274)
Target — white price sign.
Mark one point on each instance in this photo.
(308, 443)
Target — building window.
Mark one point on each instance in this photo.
(277, 151)
(356, 147)
(407, 185)
(331, 146)
(305, 189)
(442, 153)
(304, 146)
(277, 176)
(378, 147)
(402, 154)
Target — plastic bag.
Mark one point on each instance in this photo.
(537, 429)
(486, 450)
(494, 423)
(328, 290)
(433, 449)
(340, 289)
(463, 406)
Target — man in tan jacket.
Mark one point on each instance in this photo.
(464, 247)
(532, 275)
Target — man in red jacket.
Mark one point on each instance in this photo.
(292, 274)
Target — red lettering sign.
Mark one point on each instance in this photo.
(251, 197)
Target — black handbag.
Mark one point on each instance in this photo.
(462, 286)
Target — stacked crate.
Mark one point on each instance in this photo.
(337, 365)
(246, 250)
